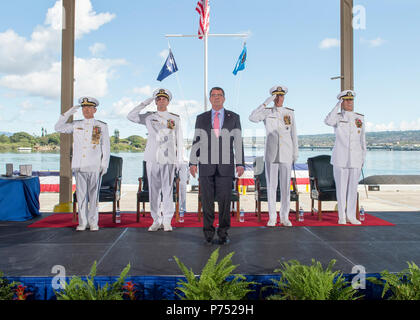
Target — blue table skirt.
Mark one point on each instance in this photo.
(164, 287)
(19, 198)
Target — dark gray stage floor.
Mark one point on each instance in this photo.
(34, 252)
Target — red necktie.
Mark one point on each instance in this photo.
(216, 124)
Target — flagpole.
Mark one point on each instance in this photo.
(205, 70)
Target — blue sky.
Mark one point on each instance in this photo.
(121, 47)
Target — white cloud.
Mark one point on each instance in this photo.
(374, 42)
(19, 55)
(372, 127)
(92, 76)
(121, 108)
(97, 48)
(329, 43)
(410, 125)
(27, 105)
(164, 54)
(391, 126)
(37, 83)
(87, 20)
(144, 91)
(30, 65)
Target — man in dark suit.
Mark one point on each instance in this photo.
(217, 149)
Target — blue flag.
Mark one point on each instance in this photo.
(168, 68)
(240, 65)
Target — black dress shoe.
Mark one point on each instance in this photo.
(223, 241)
(208, 242)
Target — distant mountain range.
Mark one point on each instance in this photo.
(8, 134)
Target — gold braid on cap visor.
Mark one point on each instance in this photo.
(280, 93)
(162, 95)
(87, 103)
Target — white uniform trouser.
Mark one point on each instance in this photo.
(87, 192)
(346, 182)
(273, 178)
(182, 195)
(183, 177)
(161, 178)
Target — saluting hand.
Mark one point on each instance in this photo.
(269, 100)
(72, 110)
(193, 170)
(240, 171)
(148, 101)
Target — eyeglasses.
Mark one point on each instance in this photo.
(217, 95)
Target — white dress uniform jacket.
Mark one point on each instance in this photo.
(164, 151)
(165, 144)
(350, 140)
(91, 145)
(281, 143)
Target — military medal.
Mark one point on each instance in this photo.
(171, 124)
(359, 123)
(287, 120)
(96, 135)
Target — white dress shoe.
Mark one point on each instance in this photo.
(354, 221)
(167, 227)
(155, 227)
(287, 223)
(271, 223)
(96, 228)
(81, 228)
(342, 222)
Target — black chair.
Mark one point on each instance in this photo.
(110, 190)
(143, 194)
(260, 182)
(235, 197)
(321, 179)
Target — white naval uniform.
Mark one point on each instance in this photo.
(91, 153)
(348, 156)
(164, 151)
(281, 150)
(184, 175)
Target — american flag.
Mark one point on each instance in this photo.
(203, 10)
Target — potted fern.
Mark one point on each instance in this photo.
(77, 289)
(216, 281)
(404, 285)
(301, 282)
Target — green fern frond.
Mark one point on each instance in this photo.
(300, 282)
(212, 283)
(77, 289)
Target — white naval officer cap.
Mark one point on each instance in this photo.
(278, 90)
(88, 102)
(161, 92)
(346, 95)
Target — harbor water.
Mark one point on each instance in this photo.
(378, 162)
